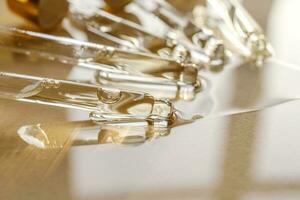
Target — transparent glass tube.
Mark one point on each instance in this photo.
(160, 77)
(122, 31)
(109, 102)
(241, 30)
(98, 56)
(154, 86)
(186, 31)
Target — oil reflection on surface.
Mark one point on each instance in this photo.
(59, 135)
(86, 133)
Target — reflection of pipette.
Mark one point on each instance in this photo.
(58, 135)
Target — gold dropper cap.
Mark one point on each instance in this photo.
(47, 14)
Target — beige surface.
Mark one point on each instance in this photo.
(250, 156)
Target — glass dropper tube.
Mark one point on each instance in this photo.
(123, 32)
(241, 30)
(106, 101)
(126, 70)
(73, 51)
(184, 29)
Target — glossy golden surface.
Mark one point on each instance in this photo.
(249, 156)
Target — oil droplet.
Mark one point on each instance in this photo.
(34, 135)
(30, 90)
(36, 88)
(181, 54)
(109, 96)
(50, 83)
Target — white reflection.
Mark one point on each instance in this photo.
(278, 150)
(284, 30)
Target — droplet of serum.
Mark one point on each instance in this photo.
(34, 135)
